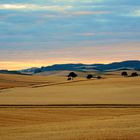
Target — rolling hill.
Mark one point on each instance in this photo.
(125, 65)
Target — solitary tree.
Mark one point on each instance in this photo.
(72, 75)
(124, 73)
(134, 74)
(89, 76)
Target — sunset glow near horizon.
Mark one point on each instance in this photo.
(35, 33)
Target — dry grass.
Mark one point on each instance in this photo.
(13, 80)
(69, 124)
(104, 91)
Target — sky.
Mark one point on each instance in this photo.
(35, 33)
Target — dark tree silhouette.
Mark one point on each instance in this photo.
(72, 75)
(89, 76)
(124, 73)
(134, 74)
(99, 77)
(69, 78)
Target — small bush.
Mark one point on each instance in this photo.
(124, 73)
(134, 74)
(69, 78)
(99, 77)
(89, 76)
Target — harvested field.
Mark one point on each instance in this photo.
(70, 124)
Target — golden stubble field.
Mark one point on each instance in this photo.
(69, 123)
(57, 90)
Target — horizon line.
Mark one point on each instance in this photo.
(69, 63)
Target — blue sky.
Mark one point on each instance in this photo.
(44, 32)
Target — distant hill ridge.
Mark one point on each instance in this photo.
(124, 65)
(12, 72)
